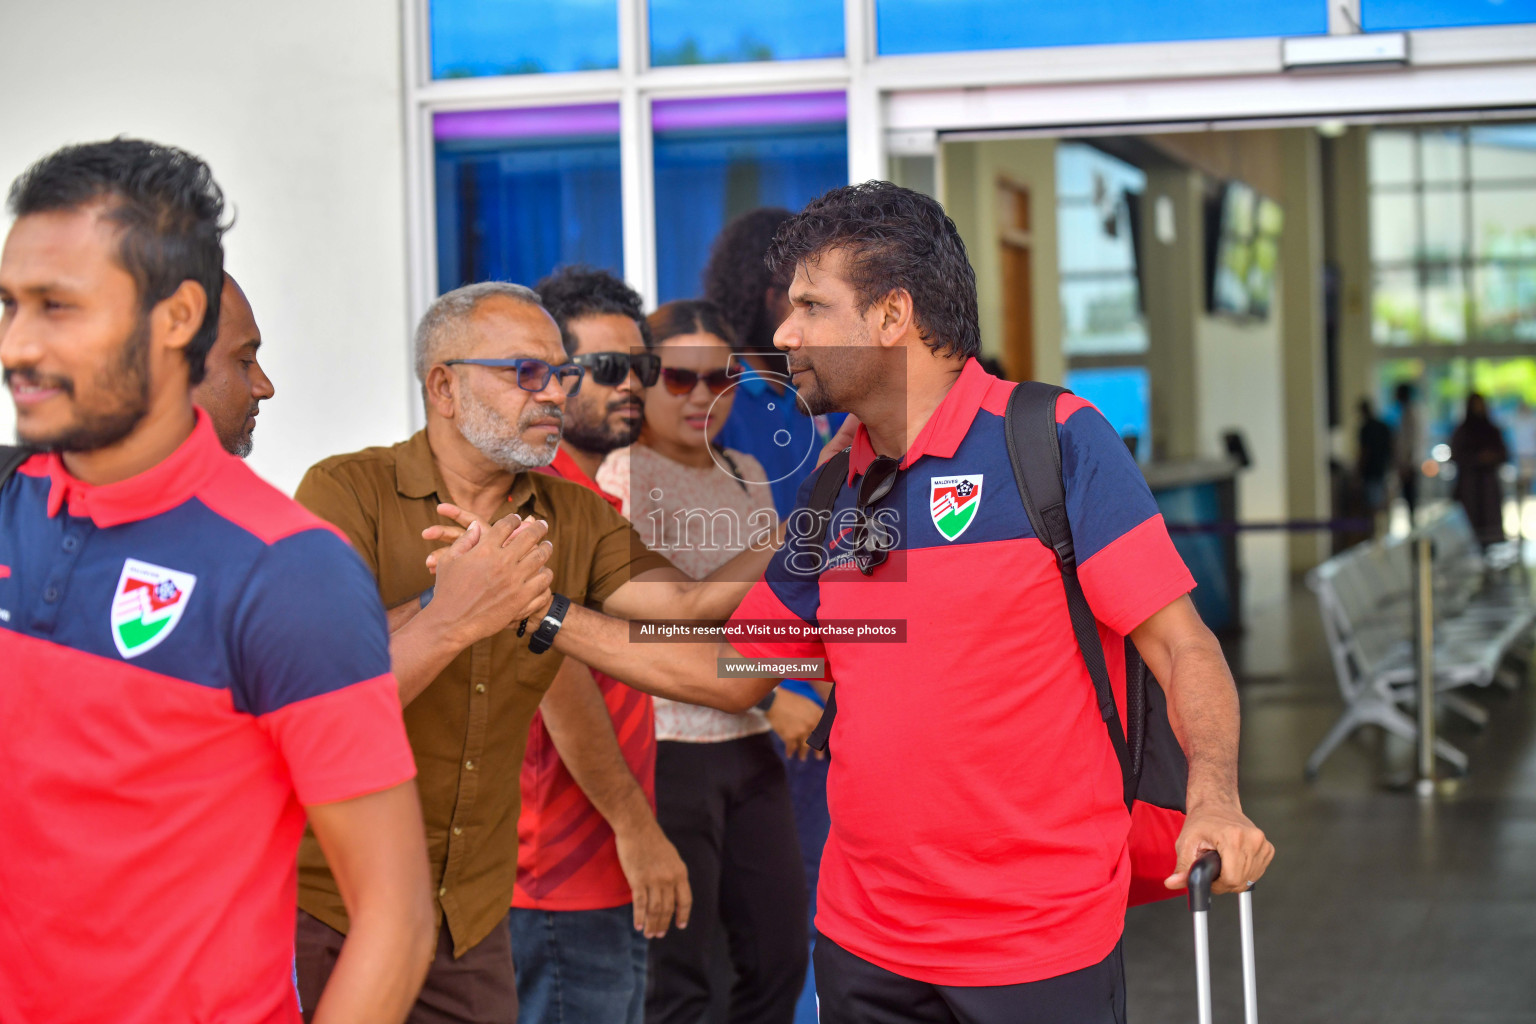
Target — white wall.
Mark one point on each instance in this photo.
(1240, 370)
(297, 107)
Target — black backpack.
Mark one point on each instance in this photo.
(1152, 764)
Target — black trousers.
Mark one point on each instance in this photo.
(726, 808)
(854, 991)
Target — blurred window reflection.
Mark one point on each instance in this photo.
(718, 158)
(474, 38)
(520, 192)
(935, 26)
(1453, 234)
(709, 32)
(1100, 295)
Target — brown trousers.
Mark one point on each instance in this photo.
(477, 988)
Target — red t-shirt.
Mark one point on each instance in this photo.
(1004, 859)
(189, 658)
(567, 858)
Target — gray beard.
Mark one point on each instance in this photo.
(496, 439)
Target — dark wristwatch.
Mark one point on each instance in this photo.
(767, 702)
(553, 620)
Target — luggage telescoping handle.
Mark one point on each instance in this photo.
(1202, 875)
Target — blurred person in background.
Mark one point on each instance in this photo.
(1375, 447)
(753, 300)
(721, 793)
(1479, 451)
(595, 874)
(234, 384)
(1408, 447)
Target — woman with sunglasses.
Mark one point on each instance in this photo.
(721, 793)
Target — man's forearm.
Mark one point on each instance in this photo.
(368, 983)
(1204, 712)
(582, 731)
(420, 648)
(677, 671)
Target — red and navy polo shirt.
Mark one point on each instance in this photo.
(979, 835)
(567, 854)
(187, 659)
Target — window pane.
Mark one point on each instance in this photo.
(520, 192)
(1395, 316)
(1391, 158)
(1387, 15)
(1444, 224)
(1505, 302)
(1102, 316)
(1394, 220)
(932, 26)
(718, 158)
(1440, 155)
(709, 32)
(1504, 152)
(1123, 394)
(1504, 222)
(1445, 303)
(1093, 238)
(471, 38)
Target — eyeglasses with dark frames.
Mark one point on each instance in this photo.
(679, 381)
(611, 368)
(872, 540)
(531, 374)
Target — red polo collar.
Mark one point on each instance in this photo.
(565, 467)
(943, 432)
(156, 490)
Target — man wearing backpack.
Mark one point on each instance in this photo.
(979, 859)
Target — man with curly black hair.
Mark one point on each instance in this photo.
(978, 866)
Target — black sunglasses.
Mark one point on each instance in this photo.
(679, 381)
(610, 368)
(872, 540)
(532, 374)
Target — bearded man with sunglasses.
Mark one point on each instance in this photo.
(469, 645)
(977, 867)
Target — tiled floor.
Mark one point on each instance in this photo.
(1379, 907)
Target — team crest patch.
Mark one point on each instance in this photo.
(149, 602)
(953, 501)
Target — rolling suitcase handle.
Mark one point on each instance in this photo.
(1202, 874)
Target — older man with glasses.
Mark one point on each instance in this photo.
(468, 646)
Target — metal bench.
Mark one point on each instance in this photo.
(1484, 618)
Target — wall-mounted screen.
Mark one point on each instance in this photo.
(1243, 251)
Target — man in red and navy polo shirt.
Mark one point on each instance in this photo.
(192, 662)
(977, 865)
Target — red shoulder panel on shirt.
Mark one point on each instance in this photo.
(37, 465)
(1066, 405)
(245, 499)
(995, 401)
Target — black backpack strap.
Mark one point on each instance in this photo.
(720, 450)
(11, 460)
(824, 492)
(1035, 451)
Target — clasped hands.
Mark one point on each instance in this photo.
(489, 578)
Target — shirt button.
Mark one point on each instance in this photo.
(51, 594)
(479, 687)
(469, 765)
(457, 830)
(70, 543)
(443, 891)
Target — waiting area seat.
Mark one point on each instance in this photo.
(1483, 613)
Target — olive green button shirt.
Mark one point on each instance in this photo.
(469, 727)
